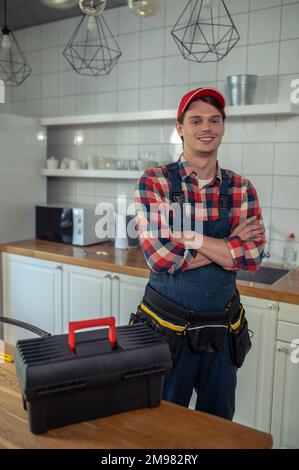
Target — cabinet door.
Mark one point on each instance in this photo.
(255, 377)
(31, 293)
(285, 423)
(86, 294)
(127, 292)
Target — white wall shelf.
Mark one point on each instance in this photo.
(119, 174)
(276, 109)
(109, 118)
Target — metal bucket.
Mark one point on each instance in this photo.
(241, 89)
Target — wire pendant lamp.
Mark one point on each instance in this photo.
(205, 31)
(92, 49)
(14, 67)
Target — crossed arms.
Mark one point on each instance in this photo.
(242, 249)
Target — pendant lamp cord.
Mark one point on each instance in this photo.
(5, 29)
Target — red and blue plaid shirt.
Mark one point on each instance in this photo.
(168, 255)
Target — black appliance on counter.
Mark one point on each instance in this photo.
(67, 223)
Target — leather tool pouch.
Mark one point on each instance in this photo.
(240, 342)
(206, 335)
(173, 338)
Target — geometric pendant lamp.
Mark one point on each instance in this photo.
(205, 31)
(14, 67)
(92, 49)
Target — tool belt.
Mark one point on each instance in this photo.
(205, 331)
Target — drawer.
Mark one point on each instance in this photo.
(259, 303)
(287, 331)
(288, 312)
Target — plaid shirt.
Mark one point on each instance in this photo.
(168, 255)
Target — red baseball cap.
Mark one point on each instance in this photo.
(197, 93)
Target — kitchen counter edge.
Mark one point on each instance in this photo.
(131, 262)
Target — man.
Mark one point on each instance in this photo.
(193, 275)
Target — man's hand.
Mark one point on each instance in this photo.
(199, 261)
(249, 229)
(215, 250)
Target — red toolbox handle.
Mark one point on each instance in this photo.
(79, 325)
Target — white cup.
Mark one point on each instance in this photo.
(75, 165)
(65, 164)
(52, 163)
(92, 162)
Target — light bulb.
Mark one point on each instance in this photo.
(78, 139)
(92, 7)
(144, 8)
(92, 23)
(6, 41)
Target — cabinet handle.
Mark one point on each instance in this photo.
(114, 277)
(284, 350)
(270, 306)
(58, 267)
(107, 276)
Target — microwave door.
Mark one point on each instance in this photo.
(66, 225)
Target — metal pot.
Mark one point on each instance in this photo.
(241, 89)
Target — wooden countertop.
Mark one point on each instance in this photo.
(105, 257)
(166, 427)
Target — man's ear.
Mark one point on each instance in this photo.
(179, 128)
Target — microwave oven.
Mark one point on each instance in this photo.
(67, 223)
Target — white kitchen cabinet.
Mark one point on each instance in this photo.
(285, 423)
(32, 292)
(50, 295)
(92, 293)
(255, 377)
(127, 292)
(86, 294)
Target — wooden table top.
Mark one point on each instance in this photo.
(105, 257)
(166, 427)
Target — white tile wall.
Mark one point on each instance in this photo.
(264, 25)
(230, 156)
(151, 74)
(258, 158)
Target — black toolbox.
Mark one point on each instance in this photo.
(64, 381)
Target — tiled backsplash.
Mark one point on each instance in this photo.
(152, 75)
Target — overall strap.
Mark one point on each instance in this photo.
(177, 194)
(176, 191)
(225, 200)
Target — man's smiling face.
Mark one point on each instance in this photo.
(202, 129)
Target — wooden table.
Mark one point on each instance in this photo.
(165, 427)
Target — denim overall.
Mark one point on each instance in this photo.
(208, 288)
